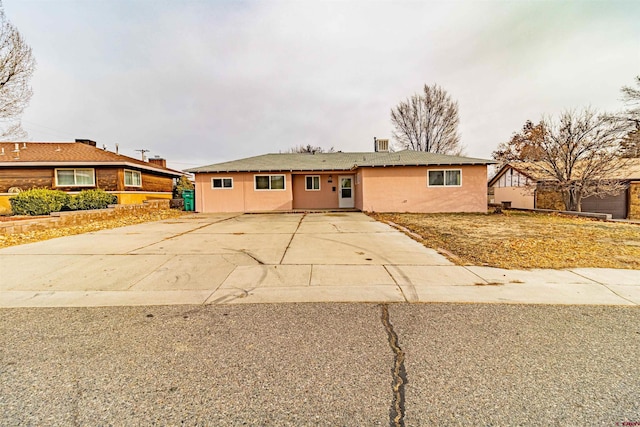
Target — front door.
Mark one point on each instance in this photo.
(346, 199)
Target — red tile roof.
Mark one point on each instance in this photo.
(68, 153)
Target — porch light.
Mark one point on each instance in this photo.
(330, 179)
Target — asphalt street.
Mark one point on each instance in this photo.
(327, 364)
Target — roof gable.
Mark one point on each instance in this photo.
(629, 169)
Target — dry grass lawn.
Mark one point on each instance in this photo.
(520, 240)
(128, 218)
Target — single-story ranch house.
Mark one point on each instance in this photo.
(380, 181)
(522, 185)
(75, 166)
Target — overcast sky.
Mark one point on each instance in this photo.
(200, 82)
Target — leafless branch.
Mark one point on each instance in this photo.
(427, 122)
(17, 65)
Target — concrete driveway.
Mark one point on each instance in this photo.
(320, 257)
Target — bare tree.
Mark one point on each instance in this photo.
(428, 121)
(310, 149)
(17, 64)
(631, 98)
(579, 152)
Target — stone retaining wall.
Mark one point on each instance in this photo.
(63, 219)
(549, 199)
(634, 200)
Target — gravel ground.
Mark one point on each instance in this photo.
(319, 364)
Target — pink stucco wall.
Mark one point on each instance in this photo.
(390, 189)
(325, 198)
(242, 197)
(404, 189)
(520, 197)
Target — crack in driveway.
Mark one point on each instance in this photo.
(292, 236)
(399, 373)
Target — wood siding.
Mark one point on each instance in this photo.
(153, 182)
(25, 178)
(106, 178)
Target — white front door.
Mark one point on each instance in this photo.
(346, 198)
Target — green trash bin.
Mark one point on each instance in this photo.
(189, 200)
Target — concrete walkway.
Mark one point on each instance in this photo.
(274, 258)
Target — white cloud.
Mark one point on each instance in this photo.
(201, 82)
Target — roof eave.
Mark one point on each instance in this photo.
(101, 163)
(269, 170)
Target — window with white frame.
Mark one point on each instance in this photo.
(445, 178)
(269, 182)
(132, 178)
(312, 182)
(221, 183)
(75, 178)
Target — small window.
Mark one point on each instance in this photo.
(132, 178)
(445, 178)
(217, 183)
(75, 178)
(452, 178)
(313, 183)
(269, 182)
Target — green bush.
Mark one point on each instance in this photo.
(92, 199)
(39, 201)
(182, 184)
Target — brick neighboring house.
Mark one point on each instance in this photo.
(75, 166)
(522, 184)
(379, 181)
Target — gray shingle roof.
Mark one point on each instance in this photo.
(337, 161)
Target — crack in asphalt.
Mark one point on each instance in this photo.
(399, 373)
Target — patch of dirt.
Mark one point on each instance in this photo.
(517, 240)
(123, 220)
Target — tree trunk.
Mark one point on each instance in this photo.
(572, 199)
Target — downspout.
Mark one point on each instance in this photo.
(201, 198)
